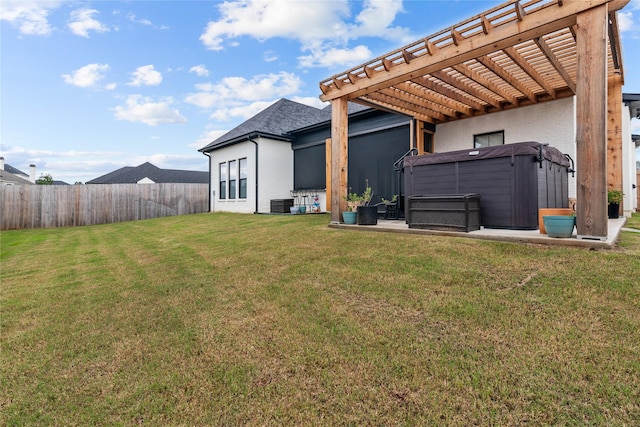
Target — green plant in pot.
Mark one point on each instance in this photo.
(367, 214)
(614, 197)
(354, 201)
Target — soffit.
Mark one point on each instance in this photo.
(519, 53)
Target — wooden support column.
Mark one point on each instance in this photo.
(614, 134)
(327, 174)
(339, 157)
(591, 117)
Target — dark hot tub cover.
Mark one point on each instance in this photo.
(507, 150)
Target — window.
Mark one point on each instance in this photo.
(223, 181)
(242, 190)
(427, 145)
(233, 173)
(488, 139)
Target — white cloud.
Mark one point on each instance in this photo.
(145, 110)
(317, 24)
(270, 56)
(625, 21)
(263, 19)
(30, 17)
(143, 21)
(311, 101)
(232, 91)
(88, 76)
(145, 76)
(242, 112)
(131, 17)
(207, 137)
(200, 70)
(195, 161)
(377, 16)
(331, 57)
(82, 21)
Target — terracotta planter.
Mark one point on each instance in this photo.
(551, 211)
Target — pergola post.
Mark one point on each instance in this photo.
(339, 156)
(614, 135)
(591, 117)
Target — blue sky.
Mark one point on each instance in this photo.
(87, 87)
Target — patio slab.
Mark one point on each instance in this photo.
(516, 236)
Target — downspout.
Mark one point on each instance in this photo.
(209, 190)
(256, 145)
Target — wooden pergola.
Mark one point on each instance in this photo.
(520, 53)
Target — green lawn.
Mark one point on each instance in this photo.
(223, 319)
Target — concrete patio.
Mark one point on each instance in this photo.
(516, 236)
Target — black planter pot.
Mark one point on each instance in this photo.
(614, 210)
(367, 215)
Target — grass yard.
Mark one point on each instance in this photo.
(223, 319)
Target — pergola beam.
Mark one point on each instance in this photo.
(449, 93)
(524, 65)
(441, 102)
(553, 59)
(504, 75)
(532, 25)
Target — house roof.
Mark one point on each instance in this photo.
(7, 177)
(633, 101)
(131, 175)
(519, 53)
(14, 171)
(275, 121)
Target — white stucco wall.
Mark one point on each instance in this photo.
(550, 123)
(630, 201)
(233, 152)
(275, 175)
(275, 172)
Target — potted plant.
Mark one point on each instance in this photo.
(559, 225)
(614, 197)
(353, 201)
(367, 214)
(390, 207)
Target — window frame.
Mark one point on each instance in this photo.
(489, 135)
(223, 177)
(233, 179)
(242, 177)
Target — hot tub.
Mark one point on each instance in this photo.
(513, 180)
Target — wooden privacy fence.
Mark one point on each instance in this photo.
(47, 206)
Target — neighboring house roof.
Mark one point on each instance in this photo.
(275, 122)
(633, 101)
(7, 177)
(14, 171)
(151, 173)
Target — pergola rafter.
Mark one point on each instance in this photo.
(516, 54)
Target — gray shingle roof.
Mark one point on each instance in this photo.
(12, 170)
(274, 121)
(9, 177)
(131, 175)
